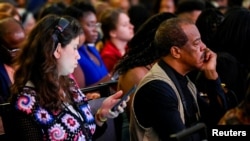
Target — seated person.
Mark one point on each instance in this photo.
(46, 103)
(166, 100)
(117, 32)
(11, 36)
(90, 70)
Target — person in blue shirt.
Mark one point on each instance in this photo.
(11, 36)
(91, 69)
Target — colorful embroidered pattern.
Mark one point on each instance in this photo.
(25, 103)
(59, 125)
(79, 137)
(43, 116)
(57, 133)
(79, 97)
(92, 128)
(88, 117)
(86, 112)
(70, 122)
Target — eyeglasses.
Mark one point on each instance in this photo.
(10, 50)
(94, 25)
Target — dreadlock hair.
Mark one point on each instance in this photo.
(141, 48)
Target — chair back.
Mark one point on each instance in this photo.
(197, 128)
(6, 116)
(105, 89)
(110, 132)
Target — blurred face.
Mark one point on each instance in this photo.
(125, 5)
(192, 53)
(14, 35)
(89, 24)
(222, 3)
(21, 3)
(67, 57)
(12, 38)
(124, 29)
(134, 2)
(29, 24)
(167, 6)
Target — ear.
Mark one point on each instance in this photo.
(175, 51)
(112, 33)
(57, 52)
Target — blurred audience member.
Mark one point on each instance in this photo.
(239, 115)
(28, 21)
(122, 4)
(190, 9)
(165, 6)
(208, 23)
(11, 36)
(232, 37)
(100, 7)
(225, 5)
(10, 9)
(90, 70)
(141, 54)
(138, 14)
(117, 32)
(56, 8)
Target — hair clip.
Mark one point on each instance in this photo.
(62, 24)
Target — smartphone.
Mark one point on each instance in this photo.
(124, 97)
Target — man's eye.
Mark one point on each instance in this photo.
(197, 42)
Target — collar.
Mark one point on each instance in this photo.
(178, 76)
(30, 84)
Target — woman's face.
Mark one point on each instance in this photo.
(167, 6)
(67, 57)
(11, 40)
(14, 34)
(124, 29)
(90, 25)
